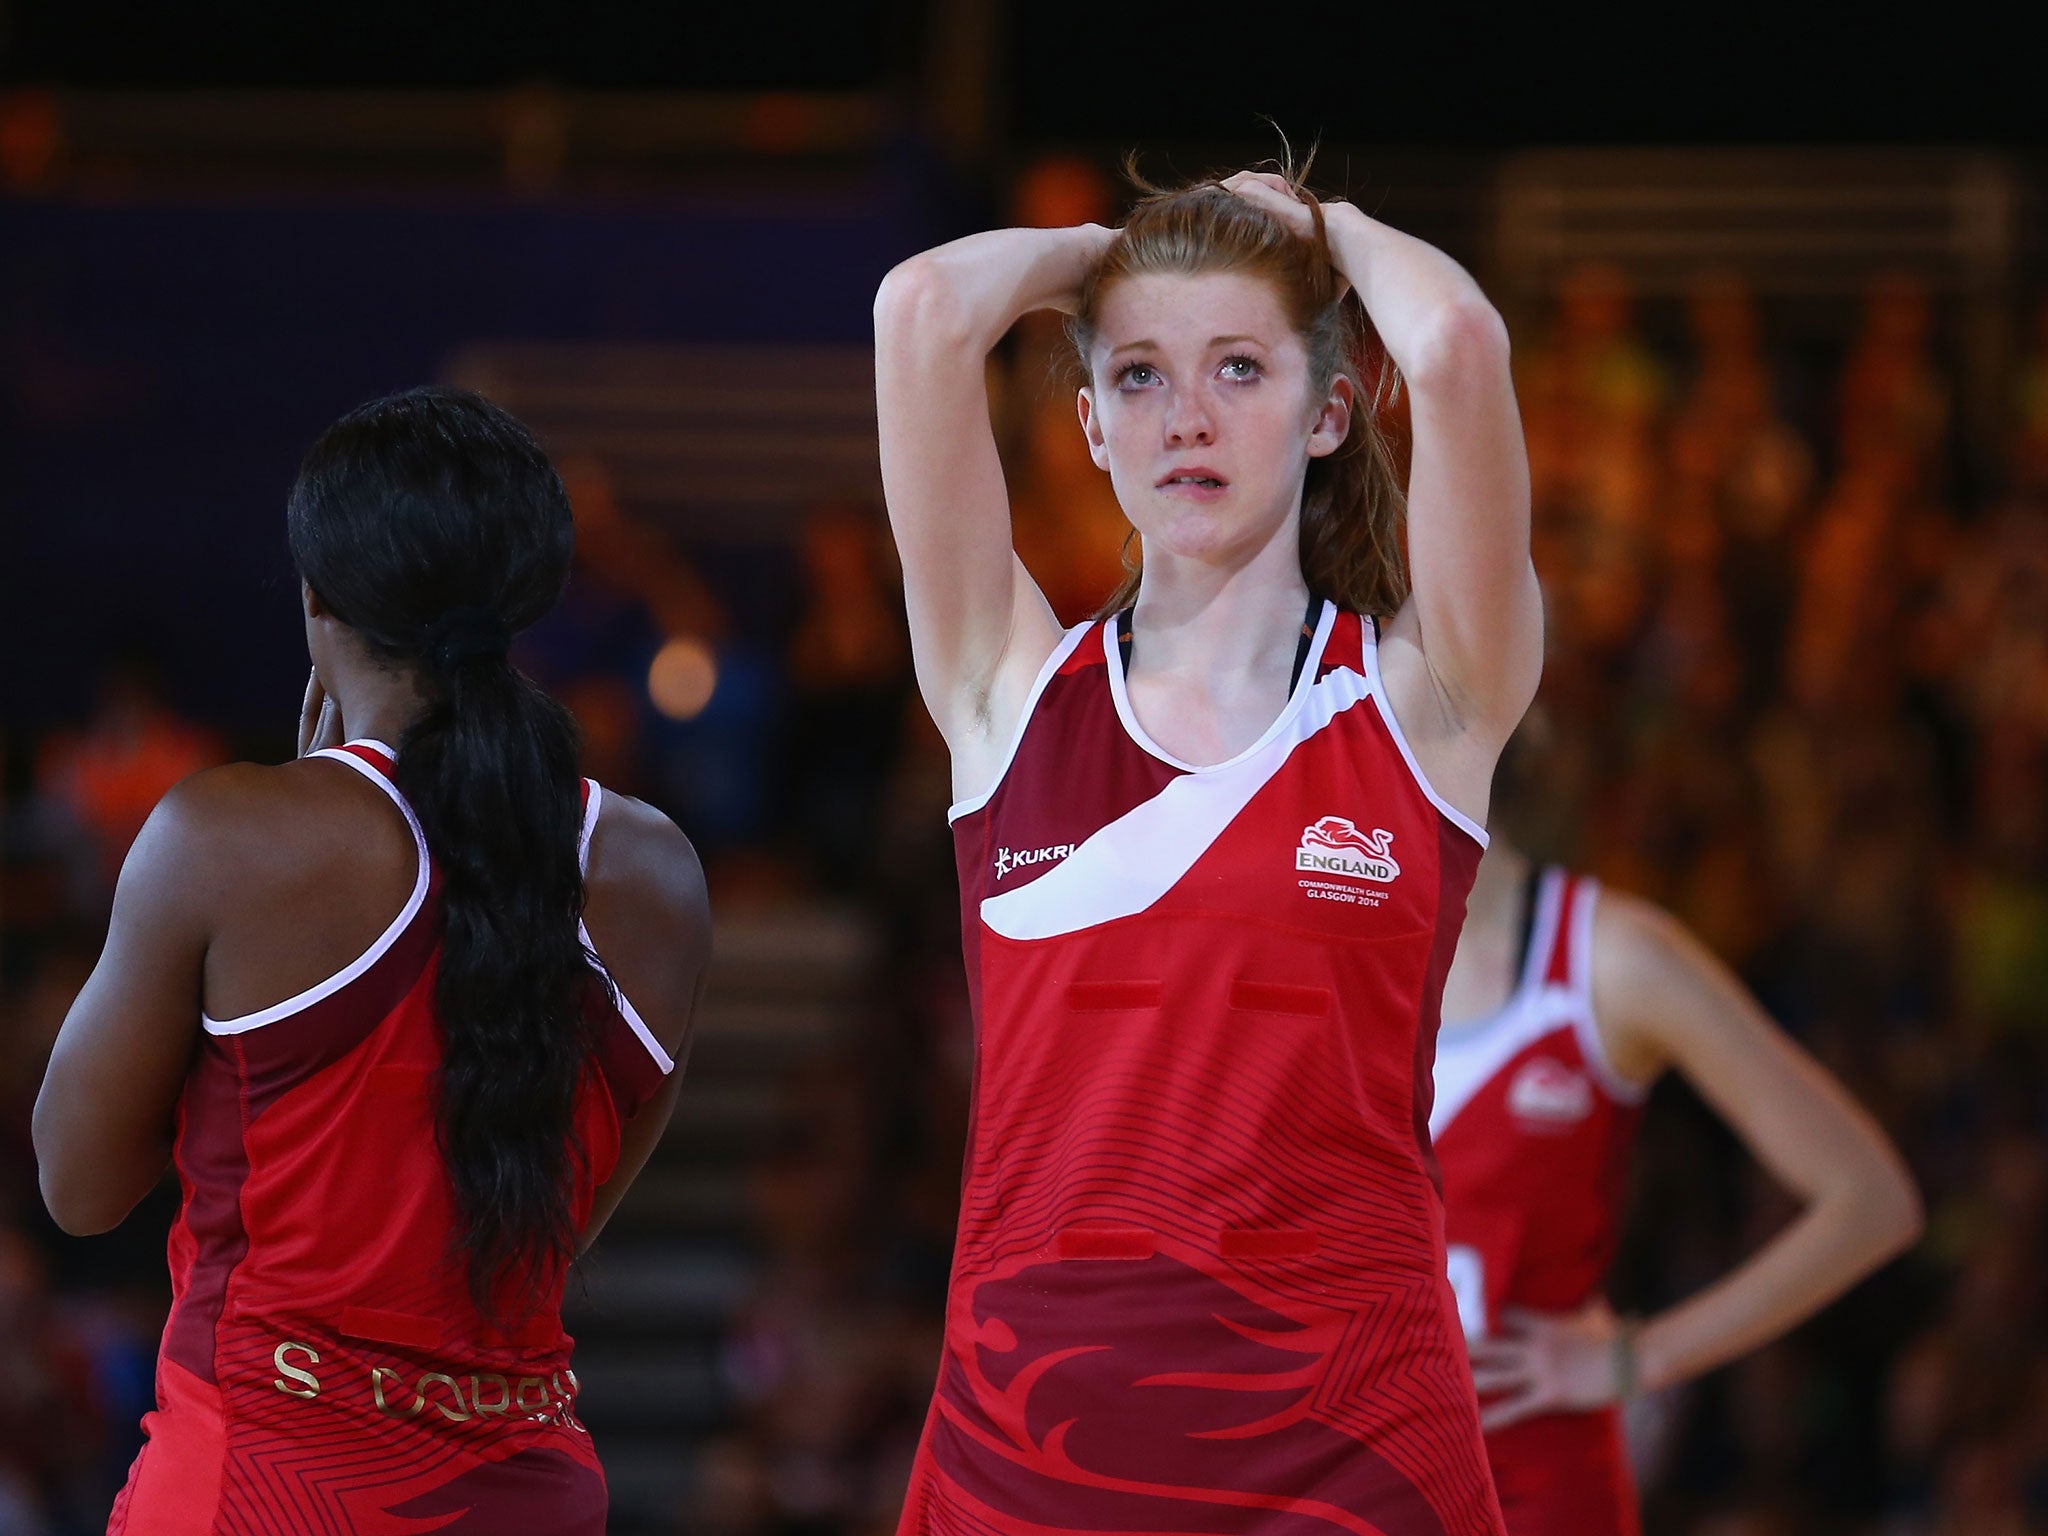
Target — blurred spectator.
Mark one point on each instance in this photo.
(51, 1426)
(1892, 393)
(2030, 437)
(1593, 396)
(677, 700)
(1069, 529)
(98, 785)
(631, 563)
(849, 679)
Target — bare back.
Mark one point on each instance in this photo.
(253, 889)
(316, 865)
(323, 865)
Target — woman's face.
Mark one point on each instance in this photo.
(1199, 408)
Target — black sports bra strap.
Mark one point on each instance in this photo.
(1308, 638)
(1532, 889)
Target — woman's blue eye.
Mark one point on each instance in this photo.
(1128, 375)
(1240, 367)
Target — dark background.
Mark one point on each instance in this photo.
(1480, 76)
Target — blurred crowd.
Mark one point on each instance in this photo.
(1796, 690)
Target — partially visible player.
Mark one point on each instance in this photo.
(1569, 1002)
(355, 1002)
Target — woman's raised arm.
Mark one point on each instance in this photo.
(1474, 611)
(979, 627)
(1463, 656)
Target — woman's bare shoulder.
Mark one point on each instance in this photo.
(640, 848)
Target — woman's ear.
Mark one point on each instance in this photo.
(1091, 427)
(1333, 418)
(310, 600)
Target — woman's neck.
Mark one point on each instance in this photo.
(376, 705)
(1200, 620)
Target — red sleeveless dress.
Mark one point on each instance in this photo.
(1198, 1284)
(1534, 1128)
(323, 1369)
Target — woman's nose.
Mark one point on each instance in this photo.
(1188, 421)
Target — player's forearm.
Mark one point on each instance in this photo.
(1828, 1248)
(965, 294)
(1437, 323)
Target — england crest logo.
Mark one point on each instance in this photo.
(1335, 846)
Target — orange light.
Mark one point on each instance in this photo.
(682, 678)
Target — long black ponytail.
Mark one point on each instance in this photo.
(432, 524)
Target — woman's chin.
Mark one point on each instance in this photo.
(1205, 535)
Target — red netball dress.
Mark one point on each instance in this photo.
(324, 1369)
(1198, 1283)
(1533, 1127)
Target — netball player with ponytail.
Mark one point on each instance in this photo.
(406, 1015)
(1213, 851)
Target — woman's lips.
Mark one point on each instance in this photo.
(1197, 483)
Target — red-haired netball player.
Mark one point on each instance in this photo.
(1571, 1001)
(405, 1014)
(1213, 856)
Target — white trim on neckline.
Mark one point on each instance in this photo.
(1129, 863)
(1119, 691)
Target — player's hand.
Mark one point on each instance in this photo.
(319, 719)
(1546, 1362)
(1275, 196)
(1089, 241)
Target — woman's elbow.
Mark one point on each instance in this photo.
(74, 1180)
(1466, 341)
(1889, 1214)
(78, 1209)
(1904, 1216)
(918, 301)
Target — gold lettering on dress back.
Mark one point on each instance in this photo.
(377, 1375)
(539, 1399)
(308, 1384)
(461, 1410)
